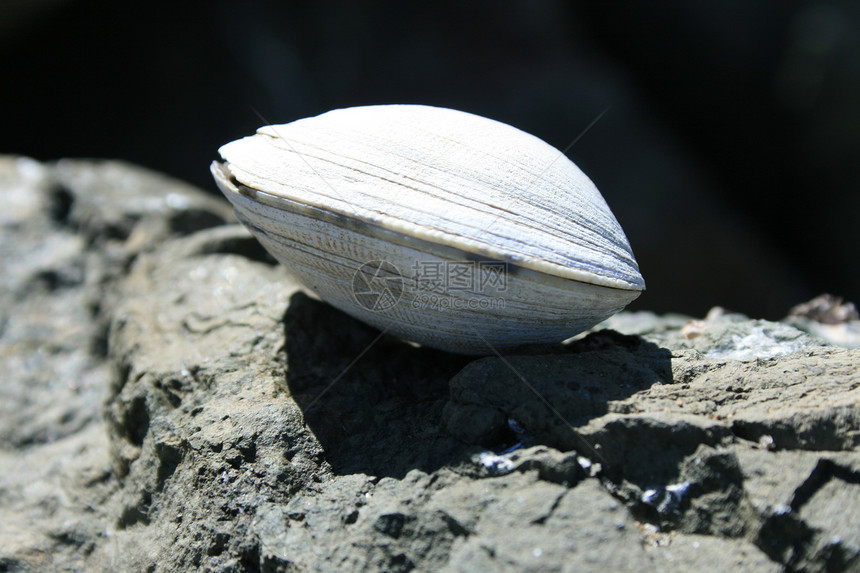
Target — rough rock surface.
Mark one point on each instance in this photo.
(173, 401)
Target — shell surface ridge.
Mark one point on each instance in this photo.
(513, 258)
(582, 272)
(416, 217)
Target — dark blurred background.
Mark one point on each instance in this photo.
(730, 150)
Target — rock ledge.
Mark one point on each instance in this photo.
(175, 402)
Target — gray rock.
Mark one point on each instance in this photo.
(174, 401)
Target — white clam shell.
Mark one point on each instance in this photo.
(435, 225)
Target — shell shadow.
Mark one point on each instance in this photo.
(380, 406)
(374, 402)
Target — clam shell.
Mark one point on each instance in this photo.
(435, 225)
